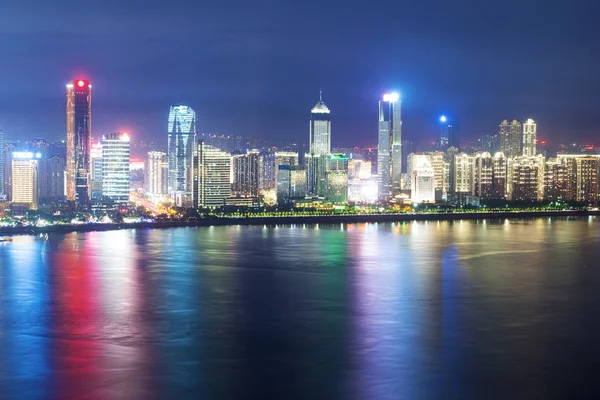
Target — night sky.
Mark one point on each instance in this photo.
(255, 67)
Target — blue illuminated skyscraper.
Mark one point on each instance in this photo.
(182, 132)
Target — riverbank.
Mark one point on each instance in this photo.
(288, 220)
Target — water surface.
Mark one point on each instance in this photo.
(472, 309)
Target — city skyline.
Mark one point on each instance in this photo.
(134, 82)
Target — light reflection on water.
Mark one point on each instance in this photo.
(405, 310)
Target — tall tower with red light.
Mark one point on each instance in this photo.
(79, 141)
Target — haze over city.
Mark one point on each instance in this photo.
(255, 68)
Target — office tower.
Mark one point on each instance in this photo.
(529, 138)
(212, 176)
(320, 147)
(267, 170)
(291, 184)
(407, 149)
(290, 158)
(96, 172)
(484, 175)
(297, 182)
(2, 194)
(526, 178)
(441, 171)
(56, 179)
(389, 149)
(182, 132)
(79, 141)
(25, 170)
(320, 128)
(450, 135)
(115, 168)
(422, 175)
(156, 174)
(511, 138)
(362, 190)
(338, 162)
(464, 173)
(246, 173)
(9, 148)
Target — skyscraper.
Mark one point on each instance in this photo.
(79, 140)
(182, 132)
(25, 174)
(320, 147)
(389, 149)
(56, 179)
(511, 140)
(464, 181)
(115, 168)
(450, 135)
(529, 138)
(422, 176)
(156, 173)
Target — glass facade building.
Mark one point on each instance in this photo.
(212, 176)
(156, 170)
(79, 141)
(389, 147)
(182, 133)
(115, 168)
(25, 175)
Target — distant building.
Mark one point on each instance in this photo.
(511, 141)
(41, 147)
(212, 176)
(246, 173)
(182, 136)
(407, 149)
(115, 168)
(499, 177)
(450, 135)
(266, 165)
(79, 141)
(25, 175)
(484, 175)
(56, 179)
(389, 149)
(359, 169)
(529, 138)
(156, 173)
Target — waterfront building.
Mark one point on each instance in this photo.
(246, 173)
(556, 180)
(266, 165)
(484, 175)
(156, 173)
(25, 175)
(96, 172)
(79, 141)
(499, 177)
(2, 193)
(337, 186)
(389, 148)
(182, 135)
(359, 169)
(320, 148)
(529, 138)
(511, 141)
(423, 184)
(464, 173)
(526, 178)
(212, 176)
(362, 190)
(115, 168)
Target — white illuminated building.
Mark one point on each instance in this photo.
(529, 138)
(25, 169)
(422, 179)
(115, 168)
(156, 173)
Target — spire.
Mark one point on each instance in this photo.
(320, 95)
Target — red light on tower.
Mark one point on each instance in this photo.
(80, 83)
